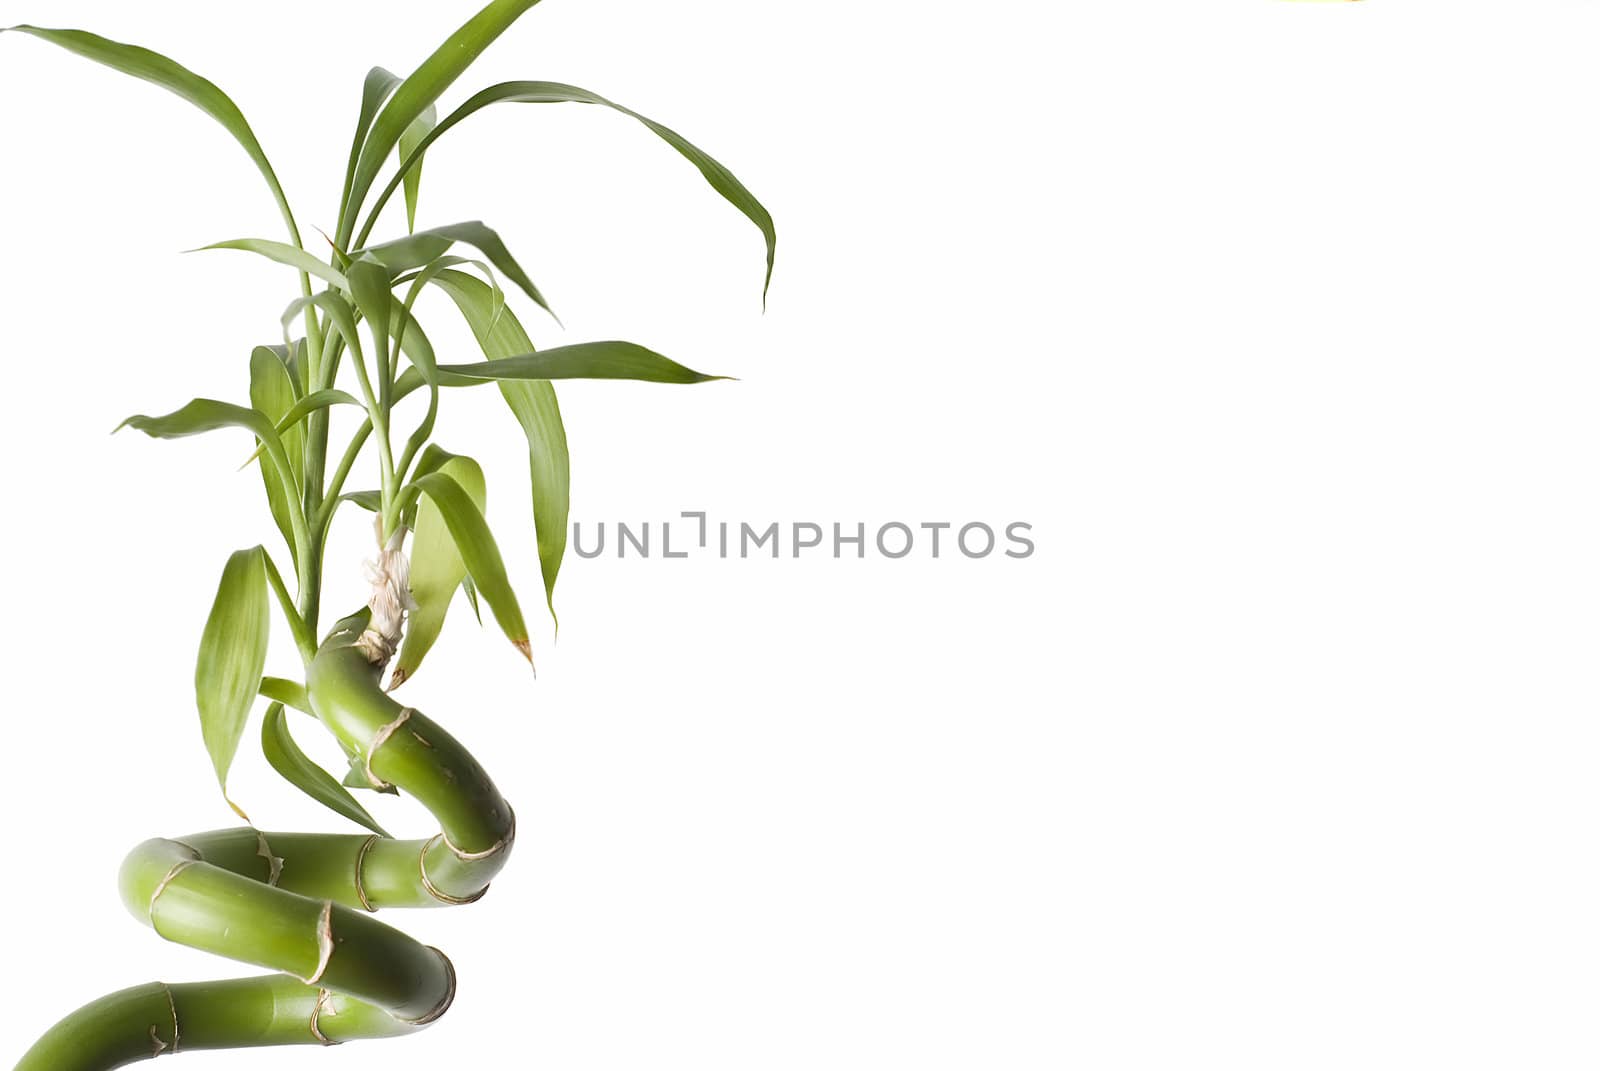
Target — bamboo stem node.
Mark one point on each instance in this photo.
(361, 858)
(380, 738)
(432, 889)
(324, 1002)
(325, 943)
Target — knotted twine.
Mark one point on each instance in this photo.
(390, 576)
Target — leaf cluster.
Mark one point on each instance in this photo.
(351, 339)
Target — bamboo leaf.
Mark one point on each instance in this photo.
(369, 285)
(272, 390)
(288, 355)
(416, 250)
(533, 403)
(233, 652)
(436, 566)
(375, 90)
(288, 424)
(200, 416)
(371, 501)
(420, 89)
(282, 253)
(721, 179)
(311, 403)
(157, 69)
(285, 756)
(205, 414)
(584, 360)
(339, 312)
(419, 129)
(470, 533)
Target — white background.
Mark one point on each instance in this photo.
(1277, 321)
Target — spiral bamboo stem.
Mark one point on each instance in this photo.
(301, 903)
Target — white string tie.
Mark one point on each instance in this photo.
(390, 576)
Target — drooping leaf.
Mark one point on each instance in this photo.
(583, 360)
(371, 501)
(419, 128)
(340, 314)
(478, 550)
(157, 69)
(470, 590)
(311, 403)
(342, 320)
(285, 756)
(288, 424)
(205, 414)
(283, 253)
(436, 566)
(721, 179)
(272, 390)
(415, 250)
(233, 653)
(420, 89)
(533, 403)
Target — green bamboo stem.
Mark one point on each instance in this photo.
(300, 903)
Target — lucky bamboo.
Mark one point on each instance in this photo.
(301, 904)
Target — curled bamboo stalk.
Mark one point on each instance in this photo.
(301, 903)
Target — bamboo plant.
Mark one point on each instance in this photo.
(300, 904)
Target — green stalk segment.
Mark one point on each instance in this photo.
(300, 903)
(159, 1020)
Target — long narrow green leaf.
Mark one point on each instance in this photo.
(416, 250)
(285, 756)
(272, 390)
(419, 128)
(414, 342)
(205, 414)
(376, 88)
(721, 179)
(533, 403)
(421, 89)
(233, 653)
(159, 70)
(340, 314)
(477, 548)
(369, 285)
(437, 570)
(311, 403)
(282, 253)
(583, 360)
(288, 423)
